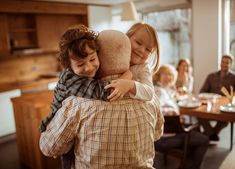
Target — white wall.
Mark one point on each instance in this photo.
(101, 18)
(207, 33)
(7, 121)
(206, 39)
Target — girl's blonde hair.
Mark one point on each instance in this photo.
(164, 68)
(152, 31)
(182, 61)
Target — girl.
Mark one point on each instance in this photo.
(184, 81)
(144, 42)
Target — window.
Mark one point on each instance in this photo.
(174, 31)
(232, 30)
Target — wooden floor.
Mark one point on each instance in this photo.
(218, 155)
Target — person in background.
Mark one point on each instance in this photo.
(164, 86)
(213, 84)
(144, 61)
(117, 134)
(184, 81)
(164, 80)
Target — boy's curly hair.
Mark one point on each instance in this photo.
(74, 41)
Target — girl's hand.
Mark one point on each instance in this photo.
(120, 88)
(127, 75)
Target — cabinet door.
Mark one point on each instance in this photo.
(51, 27)
(22, 31)
(4, 39)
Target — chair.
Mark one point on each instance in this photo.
(173, 125)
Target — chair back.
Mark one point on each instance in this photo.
(172, 124)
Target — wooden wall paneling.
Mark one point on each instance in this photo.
(27, 68)
(4, 38)
(15, 6)
(51, 27)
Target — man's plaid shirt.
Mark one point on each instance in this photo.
(71, 84)
(106, 135)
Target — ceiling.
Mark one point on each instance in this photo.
(141, 5)
(96, 2)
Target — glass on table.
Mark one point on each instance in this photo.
(209, 105)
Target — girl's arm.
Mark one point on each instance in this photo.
(120, 86)
(142, 88)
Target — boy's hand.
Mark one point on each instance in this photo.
(120, 88)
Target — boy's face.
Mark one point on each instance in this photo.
(85, 67)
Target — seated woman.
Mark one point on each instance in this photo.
(184, 81)
(163, 81)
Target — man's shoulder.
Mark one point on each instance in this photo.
(232, 73)
(213, 74)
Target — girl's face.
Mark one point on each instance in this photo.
(85, 67)
(184, 67)
(166, 78)
(142, 44)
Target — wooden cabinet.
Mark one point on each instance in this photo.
(36, 24)
(4, 38)
(22, 31)
(29, 110)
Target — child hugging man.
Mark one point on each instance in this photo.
(78, 56)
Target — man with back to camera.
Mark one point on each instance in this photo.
(213, 84)
(118, 134)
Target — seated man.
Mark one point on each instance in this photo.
(213, 84)
(163, 81)
(117, 134)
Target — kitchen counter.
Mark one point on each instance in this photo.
(38, 84)
(29, 110)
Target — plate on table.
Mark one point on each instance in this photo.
(189, 103)
(209, 96)
(228, 108)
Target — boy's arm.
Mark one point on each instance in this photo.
(71, 84)
(60, 94)
(86, 87)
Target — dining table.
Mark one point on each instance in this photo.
(211, 111)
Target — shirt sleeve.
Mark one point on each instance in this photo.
(86, 87)
(61, 131)
(160, 119)
(143, 83)
(206, 85)
(190, 84)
